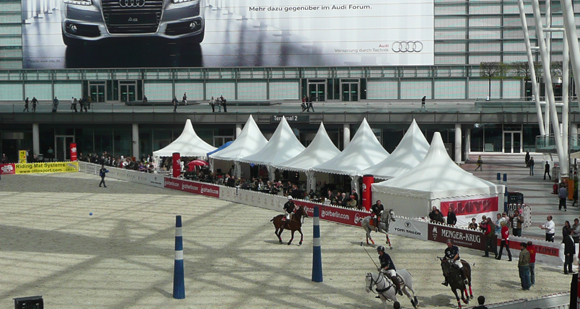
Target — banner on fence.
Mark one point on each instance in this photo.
(409, 228)
(46, 167)
(7, 169)
(465, 238)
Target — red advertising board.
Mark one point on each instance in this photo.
(335, 214)
(470, 207)
(7, 169)
(173, 183)
(464, 238)
(73, 152)
(192, 187)
(210, 190)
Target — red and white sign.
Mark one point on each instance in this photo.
(464, 238)
(7, 169)
(192, 187)
(173, 183)
(210, 190)
(73, 152)
(470, 207)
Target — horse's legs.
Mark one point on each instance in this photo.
(280, 234)
(301, 236)
(388, 241)
(464, 296)
(291, 238)
(457, 298)
(470, 290)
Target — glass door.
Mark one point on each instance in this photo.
(350, 90)
(128, 92)
(97, 92)
(317, 91)
(62, 147)
(512, 142)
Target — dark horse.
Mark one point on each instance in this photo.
(453, 276)
(295, 224)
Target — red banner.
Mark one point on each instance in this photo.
(335, 214)
(470, 207)
(7, 169)
(192, 187)
(210, 190)
(464, 238)
(73, 152)
(173, 183)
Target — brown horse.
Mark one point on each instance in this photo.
(295, 224)
(454, 278)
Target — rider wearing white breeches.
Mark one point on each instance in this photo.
(388, 267)
(289, 208)
(452, 255)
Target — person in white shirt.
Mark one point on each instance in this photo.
(550, 228)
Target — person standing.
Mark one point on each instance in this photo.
(174, 104)
(423, 103)
(436, 216)
(50, 153)
(490, 238)
(531, 164)
(73, 104)
(516, 222)
(505, 242)
(25, 105)
(34, 102)
(569, 252)
(481, 302)
(451, 217)
(532, 251)
(562, 195)
(102, 172)
(225, 104)
(54, 104)
(527, 159)
(576, 231)
(479, 165)
(547, 170)
(218, 102)
(185, 98)
(550, 228)
(212, 104)
(524, 266)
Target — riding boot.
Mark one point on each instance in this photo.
(397, 284)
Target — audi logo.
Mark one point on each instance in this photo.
(131, 3)
(407, 46)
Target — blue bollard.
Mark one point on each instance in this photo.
(316, 253)
(498, 177)
(178, 273)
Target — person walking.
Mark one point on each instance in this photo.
(547, 170)
(505, 242)
(102, 172)
(531, 164)
(185, 98)
(423, 103)
(569, 252)
(562, 196)
(54, 104)
(174, 104)
(224, 103)
(212, 104)
(479, 164)
(73, 104)
(310, 105)
(25, 105)
(532, 265)
(550, 228)
(524, 266)
(34, 102)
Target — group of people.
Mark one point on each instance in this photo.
(84, 104)
(435, 216)
(34, 102)
(306, 104)
(107, 159)
(218, 102)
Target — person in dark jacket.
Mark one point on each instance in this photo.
(547, 170)
(436, 216)
(102, 172)
(451, 217)
(376, 210)
(569, 252)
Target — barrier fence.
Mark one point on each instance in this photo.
(419, 228)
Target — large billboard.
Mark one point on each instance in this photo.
(61, 34)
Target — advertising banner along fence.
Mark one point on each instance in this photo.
(36, 168)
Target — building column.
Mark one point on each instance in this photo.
(346, 135)
(457, 143)
(35, 139)
(573, 135)
(467, 144)
(135, 130)
(238, 129)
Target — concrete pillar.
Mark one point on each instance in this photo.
(457, 143)
(346, 135)
(35, 139)
(238, 129)
(467, 144)
(135, 130)
(573, 135)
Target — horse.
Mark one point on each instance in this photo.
(386, 289)
(368, 223)
(295, 224)
(453, 276)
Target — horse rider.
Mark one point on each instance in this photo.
(452, 256)
(376, 211)
(289, 208)
(388, 268)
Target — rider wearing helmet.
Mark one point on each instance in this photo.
(388, 267)
(376, 211)
(289, 208)
(452, 255)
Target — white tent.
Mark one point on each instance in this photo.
(408, 154)
(437, 178)
(188, 144)
(283, 145)
(363, 151)
(249, 142)
(319, 151)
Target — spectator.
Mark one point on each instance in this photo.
(547, 170)
(569, 252)
(423, 103)
(224, 103)
(505, 242)
(566, 229)
(73, 104)
(451, 217)
(550, 228)
(352, 202)
(483, 224)
(562, 195)
(212, 104)
(531, 165)
(310, 106)
(481, 302)
(497, 224)
(532, 267)
(576, 231)
(479, 164)
(473, 224)
(490, 238)
(524, 266)
(516, 223)
(527, 159)
(436, 216)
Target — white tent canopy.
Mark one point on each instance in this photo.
(188, 144)
(363, 151)
(319, 151)
(437, 177)
(408, 154)
(283, 145)
(249, 142)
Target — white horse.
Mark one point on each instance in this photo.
(385, 288)
(385, 220)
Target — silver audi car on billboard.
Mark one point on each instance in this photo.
(97, 20)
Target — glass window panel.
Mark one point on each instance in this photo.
(479, 89)
(158, 91)
(194, 90)
(67, 90)
(248, 91)
(449, 89)
(284, 90)
(380, 90)
(512, 89)
(10, 92)
(415, 89)
(225, 89)
(40, 91)
(481, 21)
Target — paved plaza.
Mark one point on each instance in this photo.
(122, 255)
